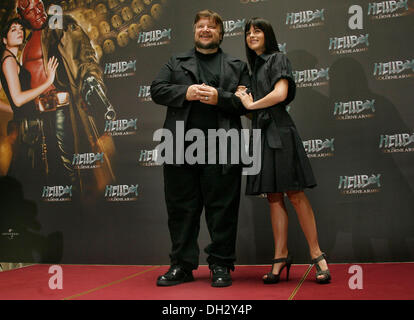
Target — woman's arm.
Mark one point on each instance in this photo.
(277, 95)
(11, 72)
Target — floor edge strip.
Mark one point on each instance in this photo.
(300, 282)
(110, 284)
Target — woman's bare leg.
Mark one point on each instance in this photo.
(279, 219)
(307, 222)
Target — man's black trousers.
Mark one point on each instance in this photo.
(189, 189)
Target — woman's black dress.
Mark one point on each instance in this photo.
(26, 110)
(284, 163)
(27, 144)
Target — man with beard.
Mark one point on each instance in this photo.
(198, 88)
(65, 120)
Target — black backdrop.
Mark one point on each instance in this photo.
(353, 110)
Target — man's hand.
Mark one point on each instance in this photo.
(193, 92)
(241, 89)
(208, 95)
(202, 93)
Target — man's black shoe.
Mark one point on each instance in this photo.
(220, 276)
(175, 275)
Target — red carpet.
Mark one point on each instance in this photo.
(381, 281)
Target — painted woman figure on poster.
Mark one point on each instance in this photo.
(15, 80)
(285, 166)
(69, 108)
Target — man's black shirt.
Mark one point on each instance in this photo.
(204, 116)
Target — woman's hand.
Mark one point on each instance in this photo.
(246, 99)
(51, 70)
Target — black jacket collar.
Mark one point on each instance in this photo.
(189, 63)
(265, 56)
(191, 54)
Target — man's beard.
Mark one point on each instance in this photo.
(211, 45)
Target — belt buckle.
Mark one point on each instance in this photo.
(62, 99)
(52, 101)
(46, 103)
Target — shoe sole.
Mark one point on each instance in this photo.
(274, 282)
(172, 283)
(323, 281)
(221, 285)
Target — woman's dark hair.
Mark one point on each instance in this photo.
(8, 25)
(271, 44)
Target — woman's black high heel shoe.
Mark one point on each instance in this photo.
(319, 272)
(272, 278)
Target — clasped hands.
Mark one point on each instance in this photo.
(203, 93)
(209, 95)
(246, 98)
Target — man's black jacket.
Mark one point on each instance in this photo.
(170, 88)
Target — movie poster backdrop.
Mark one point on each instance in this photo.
(353, 65)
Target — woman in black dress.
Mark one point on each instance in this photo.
(16, 83)
(285, 167)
